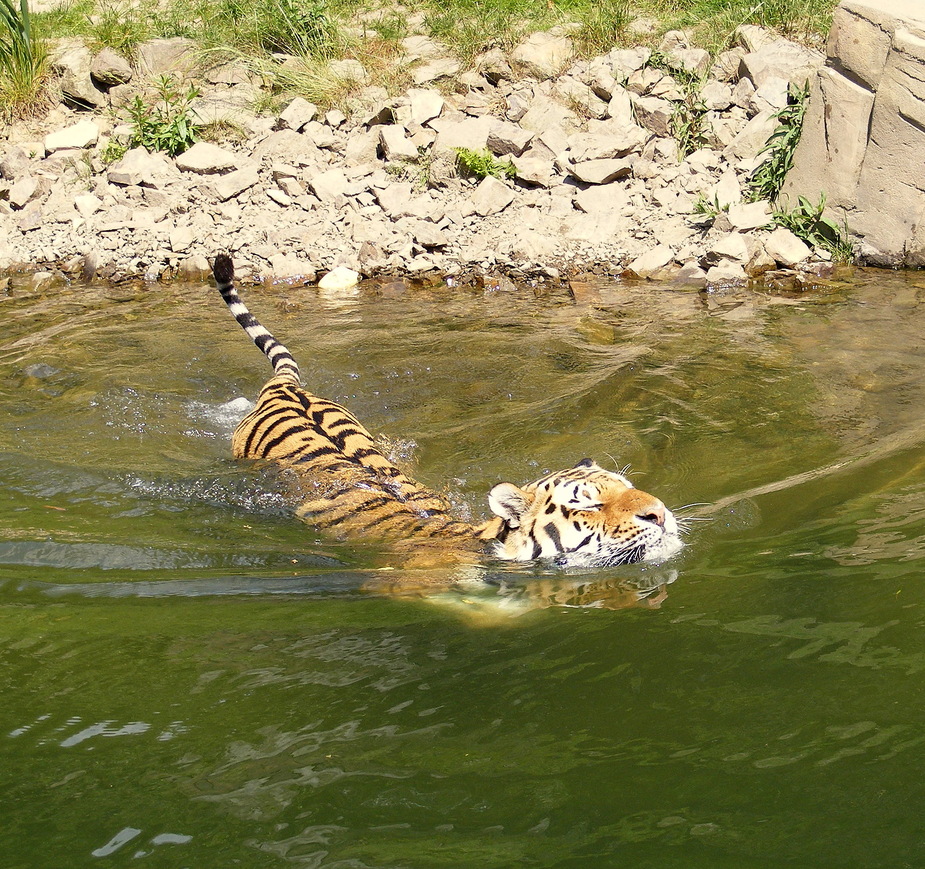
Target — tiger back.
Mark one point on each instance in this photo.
(346, 484)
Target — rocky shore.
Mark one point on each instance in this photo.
(598, 183)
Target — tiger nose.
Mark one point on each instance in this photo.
(654, 513)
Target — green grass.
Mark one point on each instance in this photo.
(315, 31)
(767, 179)
(23, 60)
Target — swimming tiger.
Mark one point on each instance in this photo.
(584, 516)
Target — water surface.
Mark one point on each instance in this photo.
(192, 678)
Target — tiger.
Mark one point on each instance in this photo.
(581, 517)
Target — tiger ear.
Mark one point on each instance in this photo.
(581, 496)
(509, 502)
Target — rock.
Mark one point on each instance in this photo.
(290, 269)
(297, 114)
(425, 104)
(15, 162)
(654, 114)
(580, 98)
(26, 189)
(545, 114)
(602, 199)
(543, 55)
(138, 167)
(620, 107)
(181, 238)
(491, 196)
(493, 65)
(731, 246)
(625, 61)
(72, 62)
(175, 56)
(726, 65)
(329, 186)
(752, 138)
(727, 190)
(504, 138)
(726, 273)
(471, 133)
(716, 96)
(534, 171)
(428, 235)
(340, 278)
(607, 141)
(691, 274)
(780, 58)
(395, 143)
(193, 268)
(441, 67)
(204, 158)
(864, 131)
(87, 204)
(234, 184)
(288, 146)
(81, 135)
(652, 261)
(602, 171)
(109, 68)
(786, 249)
(749, 216)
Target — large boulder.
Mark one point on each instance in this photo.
(864, 133)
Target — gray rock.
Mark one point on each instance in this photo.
(606, 141)
(749, 216)
(288, 146)
(328, 186)
(15, 162)
(471, 133)
(625, 61)
(395, 143)
(72, 62)
(204, 158)
(234, 184)
(753, 137)
(781, 58)
(602, 171)
(138, 167)
(441, 67)
(504, 138)
(652, 261)
(425, 104)
(864, 131)
(175, 56)
(785, 248)
(654, 114)
(726, 273)
(297, 114)
(109, 68)
(26, 189)
(716, 95)
(534, 171)
(543, 55)
(81, 135)
(491, 196)
(580, 98)
(349, 70)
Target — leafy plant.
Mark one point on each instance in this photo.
(23, 58)
(483, 163)
(807, 223)
(709, 207)
(168, 124)
(688, 120)
(768, 177)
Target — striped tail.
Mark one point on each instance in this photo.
(280, 358)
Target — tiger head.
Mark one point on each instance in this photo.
(582, 517)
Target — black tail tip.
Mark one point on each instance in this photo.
(223, 269)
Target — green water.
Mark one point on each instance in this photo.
(190, 678)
